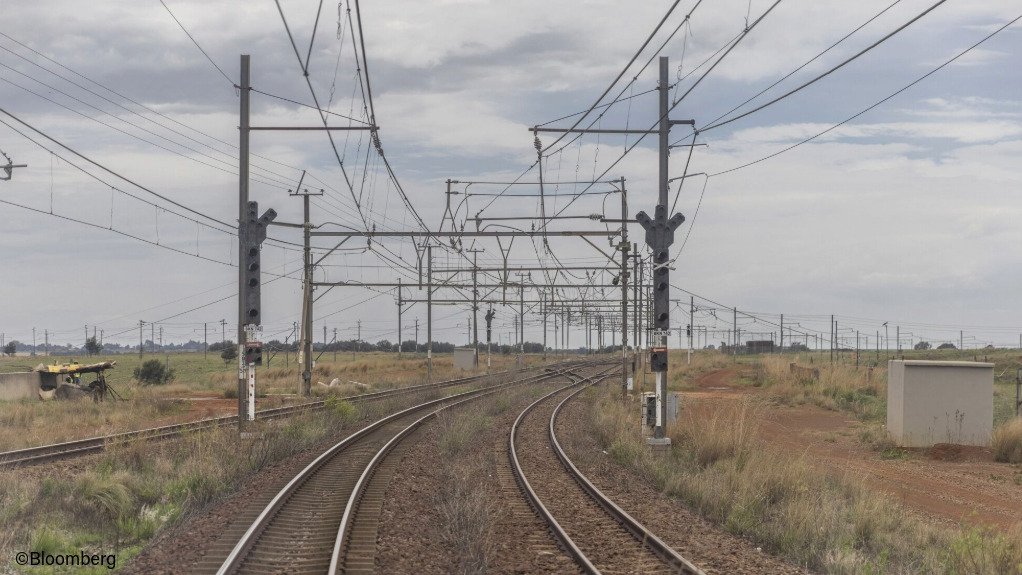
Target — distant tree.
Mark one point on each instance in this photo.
(946, 346)
(228, 354)
(384, 345)
(92, 347)
(153, 372)
(10, 348)
(220, 345)
(798, 346)
(923, 345)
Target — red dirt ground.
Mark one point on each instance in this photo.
(946, 483)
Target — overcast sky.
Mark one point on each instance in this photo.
(908, 213)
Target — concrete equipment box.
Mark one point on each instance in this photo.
(465, 358)
(932, 402)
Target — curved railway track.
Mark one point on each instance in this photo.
(595, 531)
(315, 523)
(80, 447)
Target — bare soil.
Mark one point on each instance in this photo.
(944, 484)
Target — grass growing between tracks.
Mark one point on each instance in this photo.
(779, 500)
(136, 489)
(465, 507)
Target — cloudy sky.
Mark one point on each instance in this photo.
(907, 213)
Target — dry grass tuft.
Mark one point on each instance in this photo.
(840, 387)
(1006, 441)
(781, 501)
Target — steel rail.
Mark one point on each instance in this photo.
(637, 529)
(237, 555)
(559, 533)
(81, 447)
(369, 472)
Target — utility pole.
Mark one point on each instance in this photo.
(358, 341)
(223, 331)
(475, 308)
(856, 349)
(305, 349)
(660, 235)
(429, 313)
(489, 320)
(734, 332)
(897, 335)
(33, 341)
(544, 309)
(335, 345)
(416, 350)
(691, 324)
(243, 158)
(46, 336)
(782, 333)
(205, 340)
(623, 246)
(399, 306)
(521, 325)
(832, 338)
(140, 346)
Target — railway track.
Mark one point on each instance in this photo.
(80, 447)
(325, 518)
(596, 532)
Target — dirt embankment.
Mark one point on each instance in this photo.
(943, 484)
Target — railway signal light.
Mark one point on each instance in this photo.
(255, 233)
(489, 320)
(659, 236)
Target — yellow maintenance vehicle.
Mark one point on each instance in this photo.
(64, 381)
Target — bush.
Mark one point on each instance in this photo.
(153, 372)
(228, 354)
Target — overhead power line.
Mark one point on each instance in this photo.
(192, 38)
(828, 72)
(875, 104)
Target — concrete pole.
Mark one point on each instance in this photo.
(429, 313)
(399, 306)
(243, 132)
(544, 311)
(832, 338)
(691, 324)
(475, 311)
(521, 326)
(308, 301)
(624, 288)
(782, 333)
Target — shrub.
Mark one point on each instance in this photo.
(1006, 442)
(153, 372)
(343, 409)
(229, 353)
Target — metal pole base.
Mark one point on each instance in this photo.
(657, 442)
